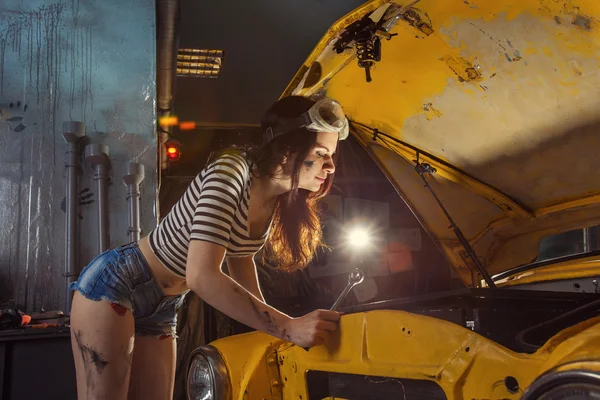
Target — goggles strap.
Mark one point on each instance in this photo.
(286, 125)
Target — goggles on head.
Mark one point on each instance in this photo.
(326, 115)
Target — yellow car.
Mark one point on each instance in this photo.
(485, 116)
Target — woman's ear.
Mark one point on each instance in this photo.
(284, 158)
(286, 162)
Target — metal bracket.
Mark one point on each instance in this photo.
(375, 134)
(276, 386)
(425, 168)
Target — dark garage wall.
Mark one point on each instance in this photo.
(265, 43)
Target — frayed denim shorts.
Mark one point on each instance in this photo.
(123, 278)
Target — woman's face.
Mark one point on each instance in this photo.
(319, 163)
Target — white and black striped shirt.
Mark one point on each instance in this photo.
(214, 208)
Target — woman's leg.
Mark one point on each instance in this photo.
(102, 337)
(153, 369)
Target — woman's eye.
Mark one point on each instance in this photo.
(320, 155)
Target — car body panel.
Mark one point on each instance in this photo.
(397, 344)
(499, 97)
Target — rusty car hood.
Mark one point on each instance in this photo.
(501, 98)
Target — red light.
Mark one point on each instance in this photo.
(187, 125)
(173, 150)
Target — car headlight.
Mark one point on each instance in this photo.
(208, 378)
(565, 385)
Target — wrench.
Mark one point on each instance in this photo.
(354, 278)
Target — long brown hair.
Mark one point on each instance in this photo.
(295, 234)
(296, 229)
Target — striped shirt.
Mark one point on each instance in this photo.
(214, 209)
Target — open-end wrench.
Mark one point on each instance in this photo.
(354, 278)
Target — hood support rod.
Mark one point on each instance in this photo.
(425, 168)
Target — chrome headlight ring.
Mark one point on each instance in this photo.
(207, 375)
(572, 384)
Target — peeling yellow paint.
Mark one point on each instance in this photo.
(503, 85)
(576, 68)
(464, 69)
(547, 51)
(431, 112)
(568, 83)
(530, 51)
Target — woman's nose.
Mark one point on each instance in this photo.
(329, 166)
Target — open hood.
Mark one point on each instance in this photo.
(501, 98)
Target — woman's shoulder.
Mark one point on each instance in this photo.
(233, 156)
(230, 160)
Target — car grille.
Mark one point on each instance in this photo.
(323, 384)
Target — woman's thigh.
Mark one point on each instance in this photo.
(153, 368)
(117, 299)
(102, 339)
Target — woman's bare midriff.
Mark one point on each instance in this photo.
(170, 283)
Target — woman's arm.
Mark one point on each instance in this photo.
(243, 271)
(205, 278)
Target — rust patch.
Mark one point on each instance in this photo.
(431, 112)
(575, 68)
(583, 22)
(579, 20)
(489, 36)
(463, 69)
(516, 56)
(419, 20)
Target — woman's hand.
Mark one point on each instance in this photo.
(205, 278)
(313, 328)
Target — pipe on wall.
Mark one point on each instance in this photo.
(167, 12)
(133, 178)
(97, 155)
(73, 132)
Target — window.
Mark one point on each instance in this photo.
(579, 241)
(199, 63)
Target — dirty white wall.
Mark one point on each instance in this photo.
(79, 60)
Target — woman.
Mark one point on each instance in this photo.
(123, 317)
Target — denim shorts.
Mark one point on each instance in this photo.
(122, 277)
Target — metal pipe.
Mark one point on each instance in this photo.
(73, 132)
(425, 168)
(135, 176)
(167, 13)
(97, 155)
